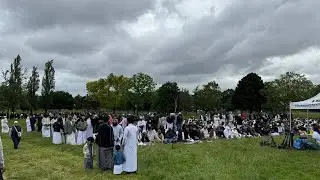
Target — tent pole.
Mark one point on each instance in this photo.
(307, 113)
(290, 115)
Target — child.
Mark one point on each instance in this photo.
(88, 153)
(118, 159)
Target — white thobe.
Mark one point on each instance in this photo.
(4, 125)
(130, 150)
(89, 130)
(28, 124)
(117, 134)
(46, 127)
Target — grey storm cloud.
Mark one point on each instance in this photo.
(188, 41)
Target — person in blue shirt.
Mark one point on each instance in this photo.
(118, 159)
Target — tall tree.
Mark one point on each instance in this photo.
(13, 81)
(118, 87)
(185, 100)
(168, 95)
(48, 84)
(248, 93)
(142, 86)
(32, 88)
(226, 98)
(208, 96)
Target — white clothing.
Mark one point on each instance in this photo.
(4, 124)
(124, 122)
(28, 124)
(117, 134)
(46, 128)
(81, 137)
(227, 132)
(316, 136)
(130, 150)
(71, 139)
(89, 130)
(117, 169)
(168, 126)
(57, 138)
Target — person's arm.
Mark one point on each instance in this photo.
(125, 135)
(1, 156)
(121, 134)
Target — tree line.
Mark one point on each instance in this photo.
(19, 90)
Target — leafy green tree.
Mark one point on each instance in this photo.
(32, 88)
(289, 87)
(13, 81)
(117, 89)
(226, 99)
(168, 95)
(185, 100)
(207, 97)
(48, 84)
(62, 100)
(248, 94)
(98, 92)
(141, 86)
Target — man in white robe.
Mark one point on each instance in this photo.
(89, 130)
(117, 132)
(46, 128)
(130, 149)
(4, 125)
(28, 124)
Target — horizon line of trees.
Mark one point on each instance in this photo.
(139, 93)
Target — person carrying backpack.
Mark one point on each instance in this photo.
(15, 134)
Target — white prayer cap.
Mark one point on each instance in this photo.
(179, 113)
(15, 122)
(172, 114)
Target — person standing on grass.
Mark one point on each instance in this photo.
(105, 141)
(130, 146)
(1, 160)
(118, 159)
(15, 134)
(88, 153)
(117, 132)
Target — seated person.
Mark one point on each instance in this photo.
(171, 136)
(316, 134)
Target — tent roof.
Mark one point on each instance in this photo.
(312, 103)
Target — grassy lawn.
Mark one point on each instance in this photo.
(38, 158)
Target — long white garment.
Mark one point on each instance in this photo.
(89, 130)
(57, 138)
(4, 125)
(117, 134)
(130, 150)
(28, 124)
(81, 138)
(46, 129)
(51, 125)
(71, 139)
(117, 169)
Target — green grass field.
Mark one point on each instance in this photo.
(244, 159)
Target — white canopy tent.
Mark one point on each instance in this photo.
(312, 103)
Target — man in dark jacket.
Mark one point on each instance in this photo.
(105, 141)
(16, 134)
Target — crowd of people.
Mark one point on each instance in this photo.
(117, 134)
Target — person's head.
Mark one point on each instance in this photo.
(90, 140)
(130, 119)
(118, 147)
(115, 122)
(16, 123)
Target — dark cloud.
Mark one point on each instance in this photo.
(38, 14)
(188, 41)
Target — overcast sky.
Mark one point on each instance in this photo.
(187, 41)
